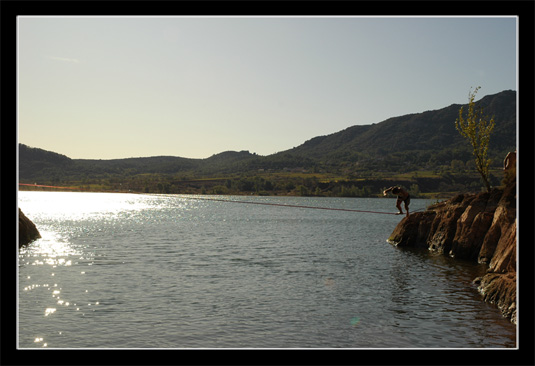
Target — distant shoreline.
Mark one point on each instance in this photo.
(432, 195)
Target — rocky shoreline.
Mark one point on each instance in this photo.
(477, 227)
(27, 230)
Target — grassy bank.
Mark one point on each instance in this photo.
(423, 184)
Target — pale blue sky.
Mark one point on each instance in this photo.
(118, 87)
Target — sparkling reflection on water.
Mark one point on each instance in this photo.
(155, 271)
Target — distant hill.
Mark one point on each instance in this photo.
(412, 142)
(423, 137)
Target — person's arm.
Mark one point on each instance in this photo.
(387, 190)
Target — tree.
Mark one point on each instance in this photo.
(477, 129)
(415, 190)
(457, 166)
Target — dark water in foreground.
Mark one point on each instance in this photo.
(146, 271)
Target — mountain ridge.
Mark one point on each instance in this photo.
(364, 136)
(410, 142)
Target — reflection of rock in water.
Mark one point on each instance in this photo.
(27, 230)
(478, 227)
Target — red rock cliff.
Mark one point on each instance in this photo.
(479, 227)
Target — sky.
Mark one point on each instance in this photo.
(118, 87)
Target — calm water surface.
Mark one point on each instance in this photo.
(166, 271)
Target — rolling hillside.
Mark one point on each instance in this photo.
(414, 142)
(431, 133)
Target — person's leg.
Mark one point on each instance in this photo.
(398, 205)
(407, 203)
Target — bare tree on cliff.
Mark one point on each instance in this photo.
(477, 129)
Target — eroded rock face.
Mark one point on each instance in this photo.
(444, 226)
(27, 230)
(413, 230)
(500, 289)
(504, 217)
(504, 258)
(479, 227)
(473, 225)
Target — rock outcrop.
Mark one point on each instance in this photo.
(478, 227)
(27, 230)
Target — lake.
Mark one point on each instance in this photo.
(115, 270)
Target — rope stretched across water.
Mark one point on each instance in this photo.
(253, 203)
(292, 206)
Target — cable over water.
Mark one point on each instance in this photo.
(253, 203)
(292, 206)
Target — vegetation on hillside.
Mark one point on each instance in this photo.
(423, 152)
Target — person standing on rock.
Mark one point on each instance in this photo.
(509, 167)
(510, 161)
(403, 196)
